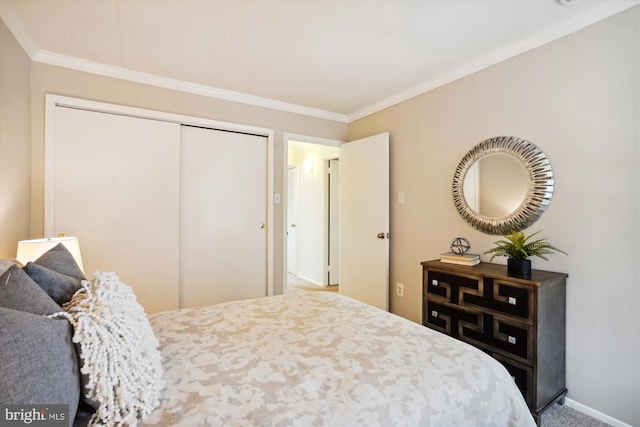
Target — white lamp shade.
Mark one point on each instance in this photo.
(31, 250)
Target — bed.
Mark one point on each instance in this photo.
(306, 359)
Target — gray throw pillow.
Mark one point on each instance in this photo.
(19, 292)
(59, 286)
(5, 263)
(60, 260)
(38, 363)
(57, 272)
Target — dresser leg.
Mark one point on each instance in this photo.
(537, 415)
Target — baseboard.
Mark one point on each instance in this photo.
(595, 414)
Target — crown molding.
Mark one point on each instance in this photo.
(592, 16)
(78, 64)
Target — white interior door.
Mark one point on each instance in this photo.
(364, 220)
(223, 216)
(115, 184)
(292, 220)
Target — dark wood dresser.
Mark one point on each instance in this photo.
(518, 321)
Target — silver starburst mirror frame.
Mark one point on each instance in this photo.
(537, 194)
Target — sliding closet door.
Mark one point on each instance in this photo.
(223, 217)
(116, 187)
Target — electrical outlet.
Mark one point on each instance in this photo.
(400, 289)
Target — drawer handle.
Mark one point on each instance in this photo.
(434, 282)
(434, 314)
(512, 301)
(512, 340)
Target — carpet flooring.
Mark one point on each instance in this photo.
(563, 416)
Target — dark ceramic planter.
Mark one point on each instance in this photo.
(519, 267)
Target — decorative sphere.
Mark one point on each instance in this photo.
(459, 246)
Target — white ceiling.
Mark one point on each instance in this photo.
(338, 59)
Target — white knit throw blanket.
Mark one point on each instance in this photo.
(120, 360)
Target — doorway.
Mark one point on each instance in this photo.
(363, 216)
(311, 238)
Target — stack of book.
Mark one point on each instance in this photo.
(461, 259)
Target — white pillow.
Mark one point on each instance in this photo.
(121, 363)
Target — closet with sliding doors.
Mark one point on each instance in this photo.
(177, 210)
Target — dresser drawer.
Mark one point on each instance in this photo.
(501, 335)
(505, 298)
(448, 318)
(452, 288)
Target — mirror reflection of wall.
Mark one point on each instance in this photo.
(501, 185)
(496, 185)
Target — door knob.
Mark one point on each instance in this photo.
(380, 235)
(261, 226)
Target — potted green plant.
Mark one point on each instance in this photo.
(518, 248)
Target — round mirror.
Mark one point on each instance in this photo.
(503, 184)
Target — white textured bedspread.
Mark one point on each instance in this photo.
(321, 359)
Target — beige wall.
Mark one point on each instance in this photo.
(578, 100)
(15, 147)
